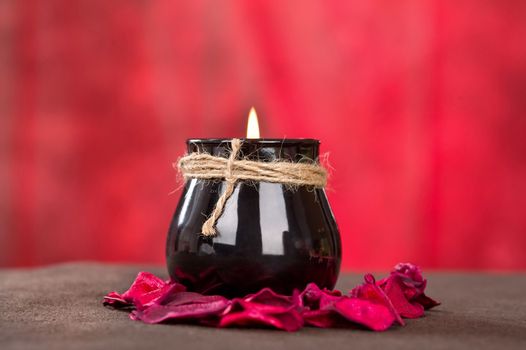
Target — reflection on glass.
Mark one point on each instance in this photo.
(273, 224)
(186, 202)
(227, 223)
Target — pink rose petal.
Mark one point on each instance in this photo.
(393, 288)
(371, 315)
(374, 305)
(116, 300)
(426, 302)
(143, 292)
(412, 278)
(407, 279)
(175, 293)
(321, 318)
(349, 312)
(243, 313)
(371, 292)
(329, 309)
(267, 296)
(183, 306)
(265, 308)
(315, 298)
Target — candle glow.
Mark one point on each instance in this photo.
(252, 125)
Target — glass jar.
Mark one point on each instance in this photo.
(269, 235)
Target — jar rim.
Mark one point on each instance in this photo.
(262, 141)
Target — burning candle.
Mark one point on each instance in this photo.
(271, 232)
(252, 125)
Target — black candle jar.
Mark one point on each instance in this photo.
(268, 235)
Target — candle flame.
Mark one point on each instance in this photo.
(252, 125)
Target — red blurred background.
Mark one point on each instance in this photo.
(420, 103)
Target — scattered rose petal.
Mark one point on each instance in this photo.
(393, 288)
(321, 318)
(426, 302)
(183, 306)
(264, 308)
(412, 279)
(324, 308)
(143, 292)
(370, 291)
(267, 296)
(175, 293)
(374, 305)
(244, 313)
(315, 298)
(363, 312)
(116, 300)
(348, 311)
(407, 279)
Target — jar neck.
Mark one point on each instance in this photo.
(266, 150)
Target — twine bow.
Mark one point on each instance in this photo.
(205, 166)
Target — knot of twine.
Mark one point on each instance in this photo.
(205, 166)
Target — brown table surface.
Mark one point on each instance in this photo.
(59, 307)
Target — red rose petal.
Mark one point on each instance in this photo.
(183, 306)
(267, 296)
(414, 283)
(374, 305)
(144, 283)
(320, 318)
(393, 288)
(371, 315)
(407, 279)
(351, 311)
(143, 292)
(326, 309)
(116, 300)
(175, 293)
(426, 302)
(243, 313)
(315, 298)
(371, 292)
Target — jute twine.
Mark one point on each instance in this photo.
(205, 166)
